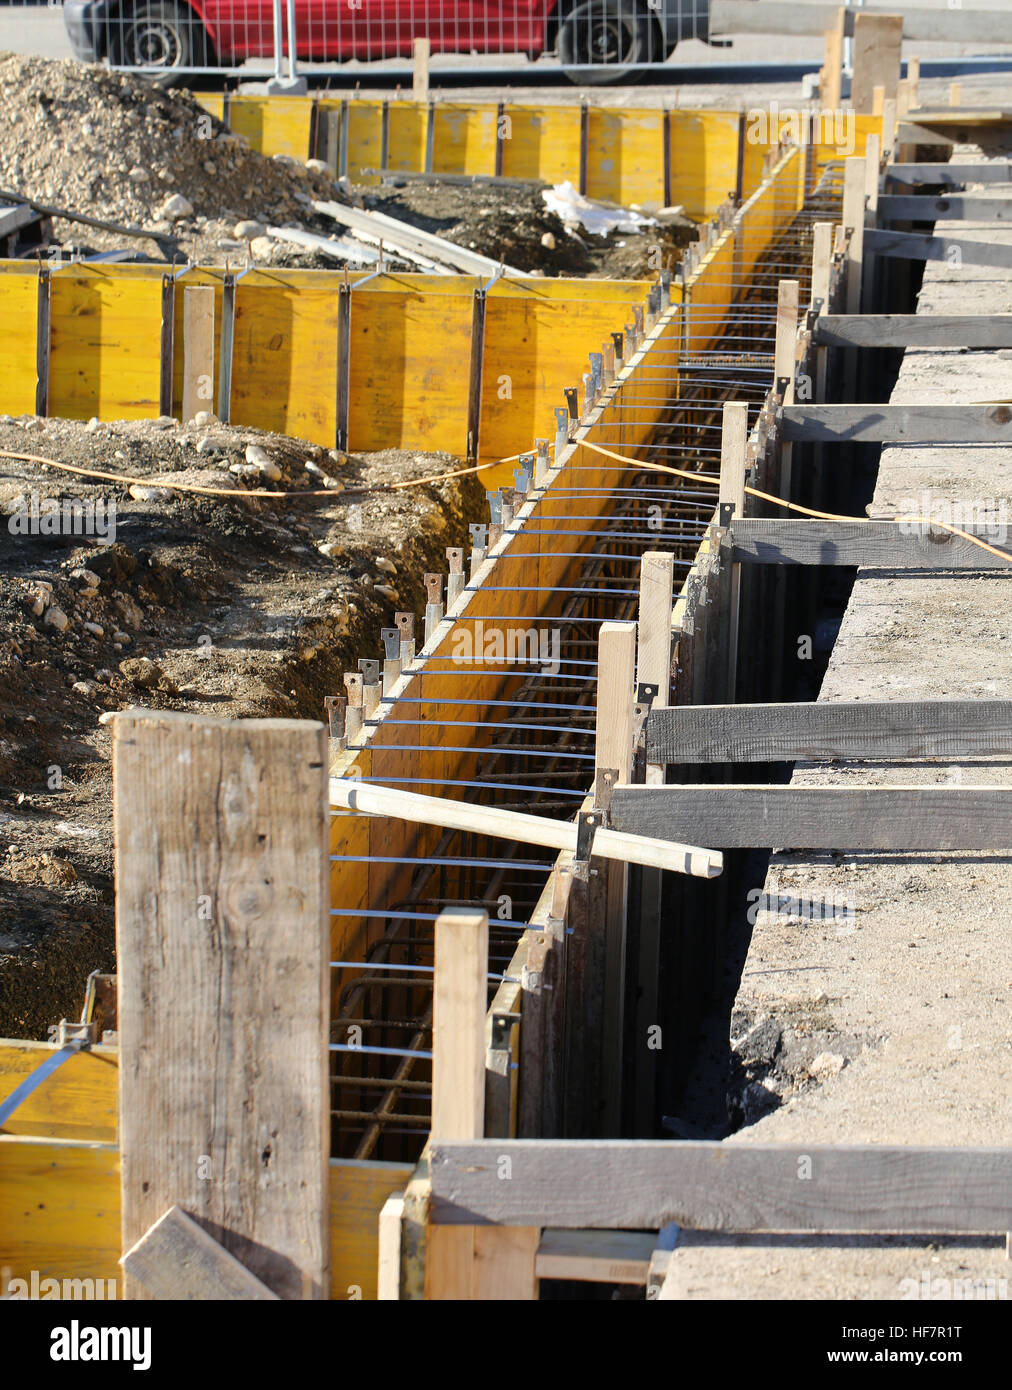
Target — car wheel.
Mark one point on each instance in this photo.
(160, 34)
(600, 40)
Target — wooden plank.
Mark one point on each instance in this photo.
(600, 1257)
(198, 350)
(460, 999)
(176, 1259)
(832, 71)
(747, 816)
(913, 207)
(899, 424)
(830, 729)
(917, 246)
(645, 1184)
(881, 544)
(914, 330)
(853, 222)
(878, 40)
(420, 71)
(953, 175)
(504, 1263)
(222, 925)
(822, 262)
(786, 333)
(780, 17)
(78, 1101)
(388, 1281)
(616, 675)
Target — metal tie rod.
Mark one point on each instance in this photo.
(514, 825)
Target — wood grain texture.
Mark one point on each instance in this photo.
(953, 175)
(922, 208)
(899, 424)
(629, 1184)
(914, 330)
(878, 39)
(178, 1260)
(825, 729)
(742, 816)
(602, 1257)
(222, 925)
(878, 544)
(917, 246)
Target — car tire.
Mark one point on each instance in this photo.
(160, 34)
(600, 41)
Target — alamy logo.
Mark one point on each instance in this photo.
(77, 1343)
(65, 516)
(37, 1287)
(479, 644)
(765, 125)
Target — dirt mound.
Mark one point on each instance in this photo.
(110, 145)
(212, 605)
(511, 223)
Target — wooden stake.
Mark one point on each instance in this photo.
(388, 1283)
(822, 263)
(853, 221)
(616, 673)
(913, 79)
(888, 126)
(198, 350)
(832, 86)
(223, 934)
(878, 42)
(733, 446)
(420, 71)
(787, 332)
(955, 93)
(877, 100)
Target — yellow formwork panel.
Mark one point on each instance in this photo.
(704, 155)
(19, 317)
(365, 139)
(408, 132)
(274, 125)
(542, 142)
(534, 349)
(284, 360)
(212, 102)
(193, 278)
(409, 371)
(60, 1214)
(77, 1102)
(625, 156)
(709, 296)
(105, 336)
(464, 139)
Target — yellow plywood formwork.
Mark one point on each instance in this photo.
(364, 139)
(60, 1216)
(105, 335)
(273, 125)
(78, 1101)
(542, 142)
(704, 153)
(625, 156)
(409, 123)
(464, 139)
(19, 317)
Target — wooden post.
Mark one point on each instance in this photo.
(913, 79)
(733, 445)
(198, 350)
(853, 221)
(955, 94)
(616, 673)
(903, 98)
(468, 1262)
(657, 574)
(822, 263)
(878, 42)
(391, 1218)
(877, 100)
(872, 174)
(786, 335)
(888, 126)
(420, 71)
(832, 83)
(223, 934)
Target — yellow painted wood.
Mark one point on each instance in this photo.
(78, 1101)
(357, 1193)
(625, 156)
(18, 305)
(365, 139)
(214, 102)
(275, 125)
(704, 152)
(105, 344)
(543, 142)
(407, 135)
(465, 139)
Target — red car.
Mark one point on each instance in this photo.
(595, 39)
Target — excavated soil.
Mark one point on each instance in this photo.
(210, 605)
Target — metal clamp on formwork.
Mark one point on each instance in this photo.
(335, 707)
(542, 464)
(646, 694)
(495, 516)
(590, 822)
(370, 669)
(406, 627)
(354, 685)
(479, 540)
(455, 578)
(507, 505)
(391, 657)
(618, 339)
(572, 395)
(561, 430)
(434, 601)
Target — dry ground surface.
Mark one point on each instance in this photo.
(202, 604)
(887, 1021)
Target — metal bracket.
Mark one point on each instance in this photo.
(587, 825)
(726, 512)
(370, 669)
(391, 642)
(84, 1034)
(502, 1027)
